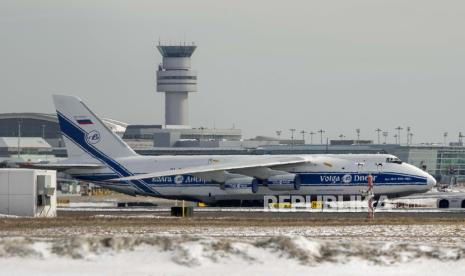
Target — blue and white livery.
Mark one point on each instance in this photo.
(98, 155)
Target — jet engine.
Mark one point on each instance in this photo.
(241, 185)
(284, 182)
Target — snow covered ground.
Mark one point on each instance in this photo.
(327, 250)
(179, 255)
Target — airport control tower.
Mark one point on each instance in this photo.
(176, 79)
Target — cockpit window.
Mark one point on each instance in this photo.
(393, 160)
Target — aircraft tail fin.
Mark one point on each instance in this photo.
(86, 137)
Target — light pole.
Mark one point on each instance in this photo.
(445, 137)
(303, 135)
(311, 137)
(201, 133)
(378, 130)
(399, 128)
(358, 135)
(292, 135)
(19, 139)
(411, 137)
(385, 134)
(321, 135)
(395, 136)
(408, 134)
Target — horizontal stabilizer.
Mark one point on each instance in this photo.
(65, 166)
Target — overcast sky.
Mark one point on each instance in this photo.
(263, 65)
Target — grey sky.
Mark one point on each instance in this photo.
(263, 65)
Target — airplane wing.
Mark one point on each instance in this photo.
(272, 161)
(435, 195)
(63, 166)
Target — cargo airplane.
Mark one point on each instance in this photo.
(97, 155)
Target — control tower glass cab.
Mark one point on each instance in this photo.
(176, 79)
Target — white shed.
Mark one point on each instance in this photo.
(27, 192)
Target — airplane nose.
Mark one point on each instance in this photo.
(431, 181)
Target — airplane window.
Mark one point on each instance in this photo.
(393, 160)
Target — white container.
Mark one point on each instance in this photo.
(27, 192)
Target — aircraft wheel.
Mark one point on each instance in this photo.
(443, 204)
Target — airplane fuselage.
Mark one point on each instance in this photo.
(341, 175)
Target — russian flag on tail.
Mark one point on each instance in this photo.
(83, 121)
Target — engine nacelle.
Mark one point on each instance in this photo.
(284, 182)
(241, 185)
(452, 202)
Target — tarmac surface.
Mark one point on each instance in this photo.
(258, 214)
(124, 220)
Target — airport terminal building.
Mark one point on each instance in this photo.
(40, 139)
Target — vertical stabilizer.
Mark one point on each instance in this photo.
(86, 136)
